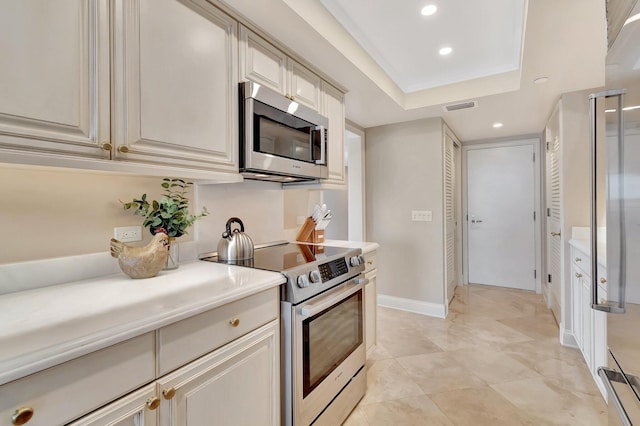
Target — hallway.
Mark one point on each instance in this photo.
(495, 360)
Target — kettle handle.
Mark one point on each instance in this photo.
(236, 220)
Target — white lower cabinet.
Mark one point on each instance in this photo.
(235, 385)
(235, 382)
(131, 410)
(589, 326)
(370, 301)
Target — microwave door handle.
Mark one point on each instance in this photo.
(323, 145)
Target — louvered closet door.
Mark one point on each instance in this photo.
(450, 215)
(553, 237)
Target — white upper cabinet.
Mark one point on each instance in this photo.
(54, 78)
(265, 64)
(333, 109)
(175, 84)
(304, 85)
(261, 62)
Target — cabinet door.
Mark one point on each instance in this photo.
(304, 85)
(54, 78)
(175, 77)
(131, 410)
(576, 304)
(370, 310)
(333, 109)
(238, 384)
(261, 62)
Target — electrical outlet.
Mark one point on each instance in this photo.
(421, 215)
(127, 234)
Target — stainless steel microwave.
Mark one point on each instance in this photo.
(280, 140)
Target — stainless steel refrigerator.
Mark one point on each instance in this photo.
(615, 212)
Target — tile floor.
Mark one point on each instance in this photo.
(495, 360)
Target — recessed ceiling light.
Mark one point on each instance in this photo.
(429, 10)
(497, 125)
(630, 20)
(541, 80)
(445, 51)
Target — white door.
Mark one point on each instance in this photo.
(501, 228)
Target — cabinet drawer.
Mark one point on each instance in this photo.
(193, 337)
(370, 261)
(67, 391)
(581, 261)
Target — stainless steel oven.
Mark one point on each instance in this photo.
(322, 329)
(324, 355)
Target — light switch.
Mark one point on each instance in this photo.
(421, 215)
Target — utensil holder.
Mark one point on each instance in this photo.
(307, 228)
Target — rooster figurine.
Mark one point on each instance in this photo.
(142, 262)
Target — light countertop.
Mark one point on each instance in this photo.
(45, 326)
(365, 246)
(580, 239)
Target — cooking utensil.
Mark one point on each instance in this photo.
(235, 244)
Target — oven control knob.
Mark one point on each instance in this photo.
(354, 261)
(361, 258)
(314, 276)
(303, 281)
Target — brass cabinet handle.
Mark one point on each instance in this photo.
(578, 275)
(22, 415)
(106, 146)
(123, 149)
(168, 393)
(555, 234)
(603, 280)
(369, 262)
(153, 402)
(234, 322)
(578, 259)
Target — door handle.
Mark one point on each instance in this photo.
(555, 234)
(476, 220)
(608, 375)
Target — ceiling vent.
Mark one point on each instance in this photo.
(463, 105)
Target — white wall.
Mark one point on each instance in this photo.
(55, 212)
(404, 173)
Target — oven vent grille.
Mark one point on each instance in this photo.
(463, 105)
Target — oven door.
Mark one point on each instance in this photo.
(328, 347)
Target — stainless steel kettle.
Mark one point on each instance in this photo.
(235, 244)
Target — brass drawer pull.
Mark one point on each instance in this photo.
(602, 301)
(22, 415)
(153, 402)
(603, 280)
(169, 393)
(106, 146)
(123, 149)
(234, 322)
(578, 259)
(578, 275)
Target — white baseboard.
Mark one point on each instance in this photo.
(411, 305)
(567, 338)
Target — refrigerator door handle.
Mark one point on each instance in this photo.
(607, 375)
(615, 201)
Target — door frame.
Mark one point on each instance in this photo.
(535, 141)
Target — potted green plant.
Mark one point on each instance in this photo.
(169, 215)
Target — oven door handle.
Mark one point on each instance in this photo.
(333, 297)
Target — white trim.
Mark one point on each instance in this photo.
(411, 305)
(567, 338)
